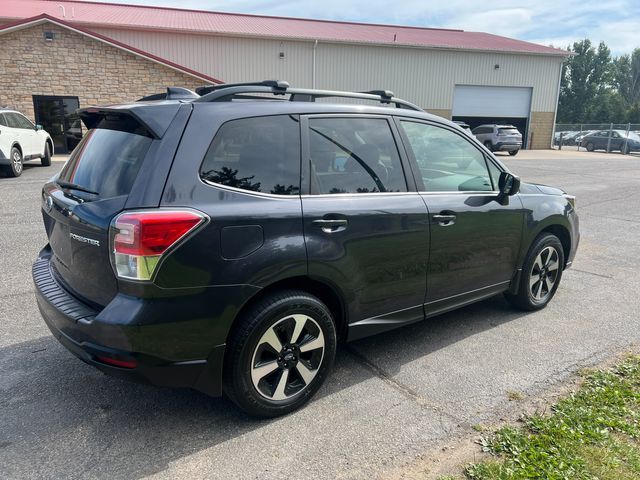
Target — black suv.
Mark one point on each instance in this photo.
(227, 240)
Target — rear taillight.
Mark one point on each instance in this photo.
(141, 238)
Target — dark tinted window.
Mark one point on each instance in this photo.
(508, 131)
(106, 161)
(354, 155)
(12, 120)
(447, 161)
(3, 122)
(23, 121)
(16, 120)
(259, 154)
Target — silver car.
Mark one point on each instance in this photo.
(505, 138)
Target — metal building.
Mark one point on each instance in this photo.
(471, 76)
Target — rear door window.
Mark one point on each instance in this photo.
(12, 120)
(107, 161)
(3, 122)
(260, 154)
(354, 155)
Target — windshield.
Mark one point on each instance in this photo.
(106, 162)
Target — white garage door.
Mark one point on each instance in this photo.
(475, 101)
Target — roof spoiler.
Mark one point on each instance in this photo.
(154, 118)
(172, 93)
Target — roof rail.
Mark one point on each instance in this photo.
(172, 93)
(279, 84)
(226, 92)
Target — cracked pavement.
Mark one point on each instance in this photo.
(390, 398)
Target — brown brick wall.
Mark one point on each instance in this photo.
(76, 65)
(440, 112)
(541, 127)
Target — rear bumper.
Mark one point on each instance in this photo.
(507, 146)
(78, 328)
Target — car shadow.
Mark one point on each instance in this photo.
(54, 407)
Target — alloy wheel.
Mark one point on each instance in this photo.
(287, 357)
(544, 273)
(17, 162)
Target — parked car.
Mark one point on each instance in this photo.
(499, 138)
(20, 141)
(577, 140)
(192, 244)
(619, 141)
(463, 125)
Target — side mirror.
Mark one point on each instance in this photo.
(508, 184)
(38, 127)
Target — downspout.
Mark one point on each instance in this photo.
(313, 65)
(555, 112)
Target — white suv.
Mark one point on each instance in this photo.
(499, 138)
(21, 140)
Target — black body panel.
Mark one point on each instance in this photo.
(385, 261)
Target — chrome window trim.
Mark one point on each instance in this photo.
(246, 192)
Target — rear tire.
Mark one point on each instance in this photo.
(625, 150)
(46, 159)
(589, 147)
(15, 167)
(279, 353)
(541, 274)
(513, 153)
(488, 145)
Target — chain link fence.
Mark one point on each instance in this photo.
(608, 137)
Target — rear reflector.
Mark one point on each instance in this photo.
(140, 239)
(117, 363)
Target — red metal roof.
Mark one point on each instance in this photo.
(206, 22)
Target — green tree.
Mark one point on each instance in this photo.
(597, 88)
(586, 75)
(627, 81)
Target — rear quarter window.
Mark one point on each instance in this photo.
(107, 161)
(260, 154)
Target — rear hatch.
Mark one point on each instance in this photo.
(509, 135)
(79, 204)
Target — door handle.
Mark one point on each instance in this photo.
(444, 220)
(331, 225)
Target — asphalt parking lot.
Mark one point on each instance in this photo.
(391, 397)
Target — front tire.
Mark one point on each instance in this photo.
(46, 159)
(15, 167)
(279, 354)
(541, 274)
(513, 153)
(590, 147)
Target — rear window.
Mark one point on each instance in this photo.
(260, 154)
(106, 161)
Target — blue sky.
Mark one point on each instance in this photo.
(557, 22)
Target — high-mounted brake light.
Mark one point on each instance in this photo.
(140, 239)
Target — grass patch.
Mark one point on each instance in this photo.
(592, 434)
(515, 396)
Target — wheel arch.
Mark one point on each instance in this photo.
(327, 294)
(563, 235)
(49, 142)
(18, 146)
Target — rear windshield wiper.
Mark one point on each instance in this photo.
(75, 186)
